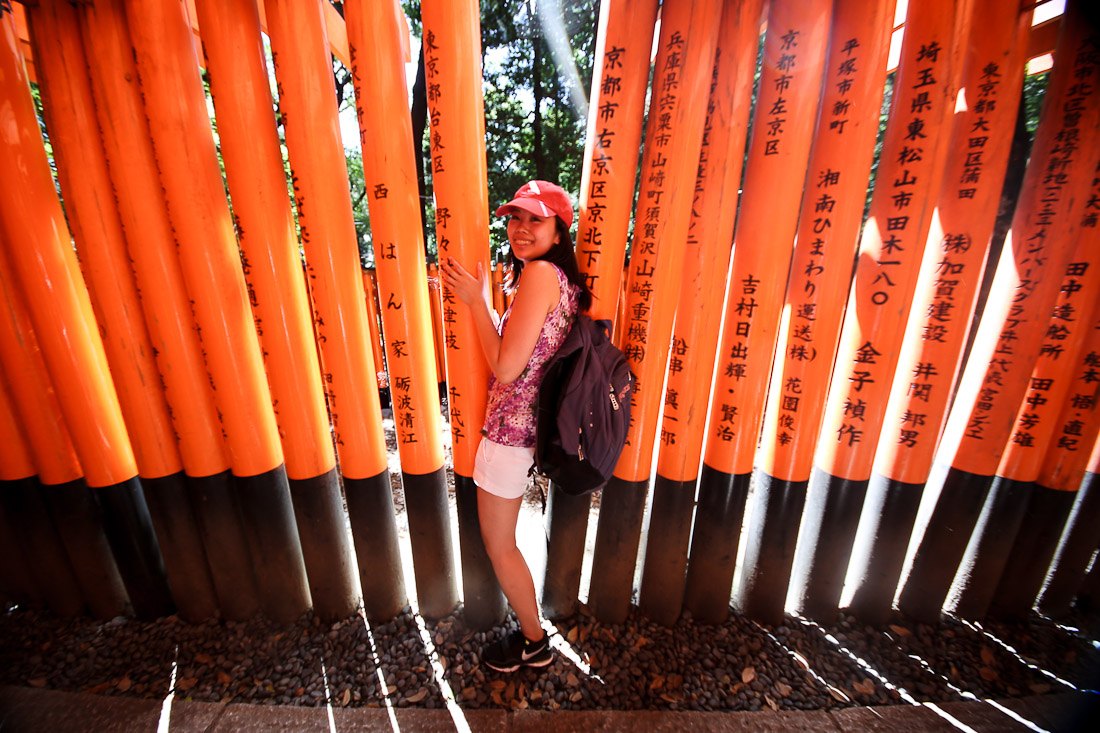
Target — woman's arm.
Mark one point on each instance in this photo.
(536, 297)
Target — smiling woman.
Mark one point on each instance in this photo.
(517, 349)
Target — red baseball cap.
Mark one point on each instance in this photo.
(541, 198)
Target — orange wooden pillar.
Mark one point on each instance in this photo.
(86, 186)
(452, 63)
(616, 112)
(65, 495)
(44, 266)
(1073, 425)
(790, 88)
(151, 250)
(16, 576)
(436, 299)
(956, 252)
(682, 73)
(370, 291)
(210, 263)
(698, 316)
(374, 34)
(828, 233)
(16, 469)
(497, 288)
(1077, 542)
(371, 303)
(307, 95)
(1012, 494)
(1048, 214)
(39, 561)
(890, 253)
(280, 303)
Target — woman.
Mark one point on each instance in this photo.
(546, 302)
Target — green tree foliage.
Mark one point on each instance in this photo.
(533, 126)
(1035, 87)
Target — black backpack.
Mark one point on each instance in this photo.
(583, 409)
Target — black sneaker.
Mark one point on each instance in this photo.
(515, 651)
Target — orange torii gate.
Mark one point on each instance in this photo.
(187, 395)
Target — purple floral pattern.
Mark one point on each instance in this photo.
(510, 414)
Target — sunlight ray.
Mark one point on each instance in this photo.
(166, 706)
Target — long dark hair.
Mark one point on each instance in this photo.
(562, 255)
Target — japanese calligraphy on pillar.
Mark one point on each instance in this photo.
(1082, 400)
(737, 356)
(828, 233)
(787, 110)
(655, 194)
(679, 351)
(709, 242)
(958, 241)
(1078, 423)
(453, 87)
(1033, 249)
(613, 135)
(603, 152)
(674, 133)
(775, 120)
(892, 242)
(1051, 378)
(1047, 383)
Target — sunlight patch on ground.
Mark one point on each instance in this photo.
(440, 678)
(975, 626)
(902, 692)
(166, 706)
(328, 697)
(804, 664)
(578, 658)
(383, 688)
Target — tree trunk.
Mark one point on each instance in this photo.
(419, 122)
(537, 157)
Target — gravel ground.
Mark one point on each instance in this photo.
(739, 665)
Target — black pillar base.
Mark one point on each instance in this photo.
(267, 514)
(483, 601)
(44, 563)
(181, 546)
(16, 583)
(943, 544)
(129, 530)
(714, 543)
(661, 596)
(567, 520)
(829, 522)
(370, 509)
(1075, 549)
(769, 547)
(617, 535)
(1031, 554)
(218, 518)
(890, 511)
(983, 564)
(79, 522)
(326, 545)
(430, 536)
(1088, 595)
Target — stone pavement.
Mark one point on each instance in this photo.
(49, 711)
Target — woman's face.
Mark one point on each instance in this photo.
(531, 236)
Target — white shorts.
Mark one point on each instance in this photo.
(503, 470)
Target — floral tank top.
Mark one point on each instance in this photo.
(510, 414)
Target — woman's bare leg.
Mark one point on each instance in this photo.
(498, 518)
